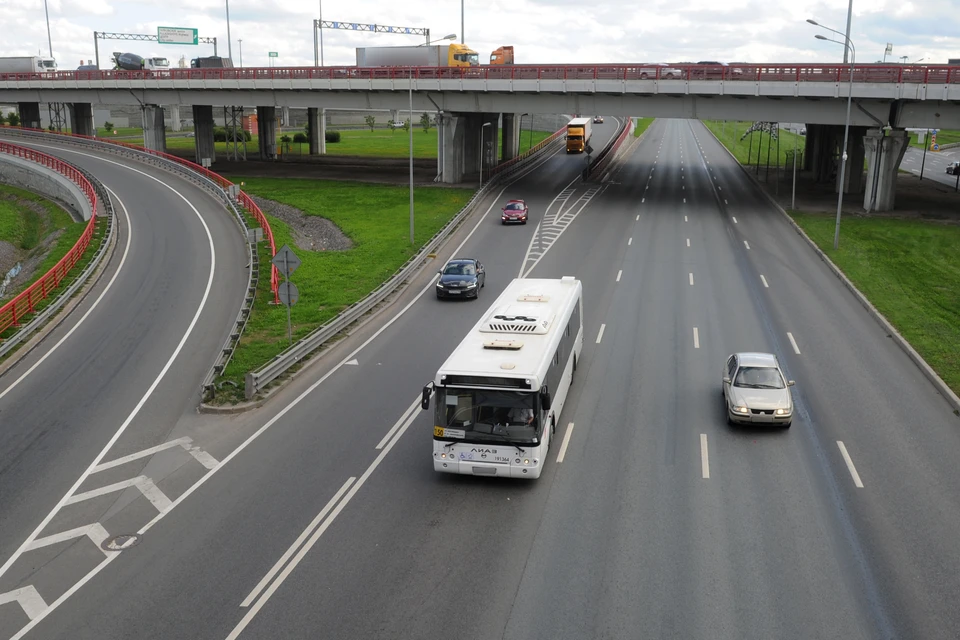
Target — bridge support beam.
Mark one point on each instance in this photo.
(853, 175)
(316, 124)
(285, 114)
(510, 144)
(174, 117)
(267, 131)
(467, 143)
(29, 114)
(884, 154)
(203, 131)
(81, 118)
(154, 135)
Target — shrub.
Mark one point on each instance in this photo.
(284, 138)
(425, 122)
(13, 119)
(371, 121)
(300, 137)
(333, 136)
(108, 126)
(3, 119)
(223, 134)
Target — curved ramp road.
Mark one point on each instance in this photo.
(117, 376)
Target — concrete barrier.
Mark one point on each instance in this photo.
(34, 177)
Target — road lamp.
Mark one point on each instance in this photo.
(49, 40)
(451, 36)
(485, 125)
(240, 42)
(846, 126)
(463, 29)
(229, 41)
(410, 129)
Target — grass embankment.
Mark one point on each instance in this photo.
(27, 229)
(642, 124)
(374, 217)
(944, 136)
(753, 148)
(910, 270)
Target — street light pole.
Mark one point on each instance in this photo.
(463, 29)
(793, 198)
(924, 159)
(49, 40)
(240, 42)
(410, 128)
(485, 125)
(229, 41)
(847, 33)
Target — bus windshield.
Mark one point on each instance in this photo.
(482, 415)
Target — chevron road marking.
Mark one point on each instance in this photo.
(28, 599)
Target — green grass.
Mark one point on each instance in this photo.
(381, 143)
(375, 217)
(642, 124)
(944, 136)
(730, 134)
(910, 270)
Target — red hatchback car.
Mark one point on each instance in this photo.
(515, 211)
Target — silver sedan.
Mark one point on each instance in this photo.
(755, 391)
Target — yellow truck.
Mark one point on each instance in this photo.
(578, 135)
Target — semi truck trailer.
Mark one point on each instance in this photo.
(27, 64)
(578, 135)
(437, 55)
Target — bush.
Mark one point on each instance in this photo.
(284, 138)
(223, 134)
(425, 122)
(108, 126)
(371, 121)
(13, 119)
(3, 119)
(300, 137)
(333, 136)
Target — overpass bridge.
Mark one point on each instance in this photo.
(469, 98)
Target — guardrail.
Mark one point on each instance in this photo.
(610, 151)
(256, 381)
(736, 72)
(215, 178)
(503, 166)
(23, 303)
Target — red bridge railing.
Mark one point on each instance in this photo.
(24, 303)
(790, 72)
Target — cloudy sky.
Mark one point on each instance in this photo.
(542, 31)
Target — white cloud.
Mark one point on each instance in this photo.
(542, 31)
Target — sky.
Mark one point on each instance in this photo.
(541, 31)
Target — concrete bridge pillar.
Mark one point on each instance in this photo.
(203, 131)
(285, 111)
(81, 118)
(267, 132)
(884, 154)
(452, 133)
(174, 117)
(154, 135)
(467, 143)
(853, 175)
(510, 145)
(29, 114)
(317, 130)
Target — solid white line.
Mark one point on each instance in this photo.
(146, 396)
(734, 219)
(704, 457)
(691, 279)
(143, 483)
(28, 598)
(95, 532)
(746, 244)
(688, 242)
(600, 335)
(796, 349)
(406, 414)
(140, 454)
(629, 241)
(764, 280)
(566, 441)
(619, 273)
(123, 260)
(849, 461)
(313, 539)
(296, 544)
(696, 338)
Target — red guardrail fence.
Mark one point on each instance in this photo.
(609, 152)
(23, 304)
(868, 73)
(529, 152)
(244, 199)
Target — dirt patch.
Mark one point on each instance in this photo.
(310, 233)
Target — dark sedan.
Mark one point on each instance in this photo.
(461, 278)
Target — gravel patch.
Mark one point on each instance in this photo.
(310, 233)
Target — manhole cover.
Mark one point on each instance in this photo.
(120, 542)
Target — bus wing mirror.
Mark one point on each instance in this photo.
(545, 398)
(425, 398)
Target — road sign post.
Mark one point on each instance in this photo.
(287, 262)
(177, 35)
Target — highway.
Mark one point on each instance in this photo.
(661, 521)
(127, 362)
(934, 165)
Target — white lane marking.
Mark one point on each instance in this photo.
(704, 457)
(95, 532)
(123, 260)
(734, 219)
(725, 201)
(638, 217)
(746, 244)
(850, 467)
(600, 335)
(412, 409)
(313, 539)
(28, 598)
(719, 188)
(202, 456)
(685, 218)
(140, 454)
(629, 241)
(354, 363)
(619, 273)
(146, 396)
(688, 242)
(691, 279)
(796, 349)
(566, 441)
(684, 200)
(764, 281)
(642, 200)
(683, 187)
(696, 338)
(296, 544)
(143, 483)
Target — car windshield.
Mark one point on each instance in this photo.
(514, 206)
(487, 415)
(759, 378)
(459, 269)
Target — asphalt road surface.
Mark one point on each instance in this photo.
(661, 521)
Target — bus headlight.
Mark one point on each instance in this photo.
(527, 461)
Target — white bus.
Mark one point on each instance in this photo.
(500, 393)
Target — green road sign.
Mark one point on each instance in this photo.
(176, 35)
(273, 54)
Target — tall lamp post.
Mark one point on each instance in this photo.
(846, 126)
(485, 125)
(463, 29)
(229, 41)
(240, 43)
